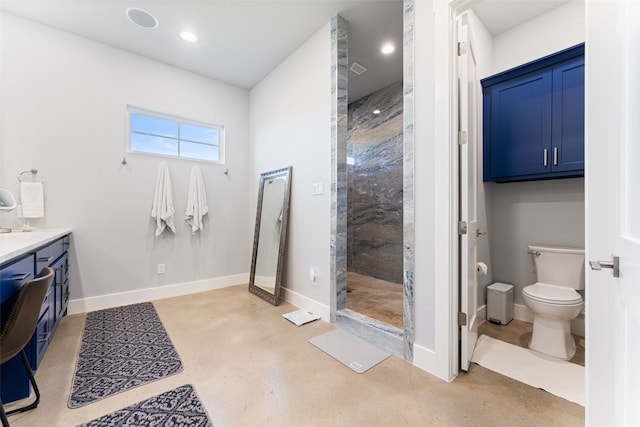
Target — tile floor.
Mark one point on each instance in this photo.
(518, 332)
(375, 298)
(251, 367)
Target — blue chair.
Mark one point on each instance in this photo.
(19, 327)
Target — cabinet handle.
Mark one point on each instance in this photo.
(545, 157)
(555, 156)
(20, 277)
(45, 259)
(45, 337)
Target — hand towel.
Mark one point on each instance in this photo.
(162, 210)
(196, 200)
(32, 198)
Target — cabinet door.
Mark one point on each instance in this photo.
(568, 116)
(61, 283)
(520, 126)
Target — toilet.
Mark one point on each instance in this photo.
(554, 299)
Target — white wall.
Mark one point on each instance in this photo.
(434, 190)
(290, 112)
(555, 30)
(64, 113)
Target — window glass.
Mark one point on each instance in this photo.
(193, 150)
(164, 135)
(153, 126)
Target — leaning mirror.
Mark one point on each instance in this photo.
(270, 234)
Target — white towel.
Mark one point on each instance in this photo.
(196, 200)
(32, 198)
(162, 210)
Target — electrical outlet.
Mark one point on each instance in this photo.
(160, 268)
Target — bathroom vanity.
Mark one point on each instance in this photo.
(22, 256)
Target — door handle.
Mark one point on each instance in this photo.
(614, 264)
(480, 233)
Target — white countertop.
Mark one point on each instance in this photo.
(17, 243)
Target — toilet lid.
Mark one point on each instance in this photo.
(552, 294)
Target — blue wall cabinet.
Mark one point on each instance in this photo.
(533, 119)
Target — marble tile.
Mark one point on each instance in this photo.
(379, 299)
(374, 185)
(338, 185)
(408, 189)
(339, 94)
(380, 334)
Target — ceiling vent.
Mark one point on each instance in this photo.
(357, 68)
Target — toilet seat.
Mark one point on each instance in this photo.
(552, 294)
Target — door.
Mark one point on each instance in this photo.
(468, 181)
(612, 212)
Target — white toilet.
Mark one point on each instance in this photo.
(554, 299)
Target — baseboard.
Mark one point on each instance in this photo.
(522, 312)
(149, 294)
(427, 360)
(481, 314)
(306, 303)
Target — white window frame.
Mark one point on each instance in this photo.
(220, 128)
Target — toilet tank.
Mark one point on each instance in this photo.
(559, 266)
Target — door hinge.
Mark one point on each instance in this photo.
(462, 319)
(462, 48)
(462, 137)
(462, 227)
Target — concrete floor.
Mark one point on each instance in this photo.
(251, 367)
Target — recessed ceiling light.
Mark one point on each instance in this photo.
(188, 36)
(141, 17)
(387, 48)
(376, 111)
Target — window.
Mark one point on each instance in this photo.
(164, 135)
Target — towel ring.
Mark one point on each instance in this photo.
(31, 171)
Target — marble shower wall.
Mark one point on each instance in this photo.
(374, 185)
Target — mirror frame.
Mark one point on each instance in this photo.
(253, 288)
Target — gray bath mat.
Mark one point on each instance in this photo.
(177, 407)
(122, 348)
(350, 350)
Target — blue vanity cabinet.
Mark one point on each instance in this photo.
(14, 384)
(54, 306)
(533, 120)
(13, 275)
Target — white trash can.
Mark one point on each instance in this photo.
(500, 303)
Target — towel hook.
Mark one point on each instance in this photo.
(226, 172)
(124, 160)
(32, 171)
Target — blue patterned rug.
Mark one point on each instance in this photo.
(121, 348)
(179, 407)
